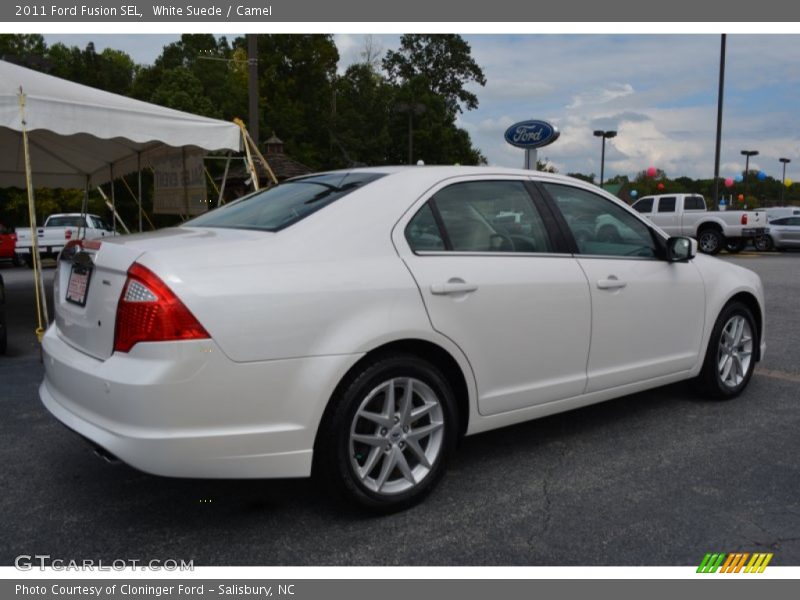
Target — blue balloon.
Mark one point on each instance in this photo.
(762, 176)
(634, 193)
(738, 178)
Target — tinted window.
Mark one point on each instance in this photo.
(285, 204)
(601, 227)
(694, 203)
(66, 221)
(645, 205)
(782, 221)
(423, 232)
(489, 216)
(666, 205)
(794, 221)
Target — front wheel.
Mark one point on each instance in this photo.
(388, 434)
(735, 245)
(730, 357)
(710, 241)
(764, 243)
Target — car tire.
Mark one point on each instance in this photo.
(735, 245)
(17, 260)
(764, 243)
(710, 241)
(731, 354)
(386, 438)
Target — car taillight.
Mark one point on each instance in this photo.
(68, 234)
(148, 311)
(744, 219)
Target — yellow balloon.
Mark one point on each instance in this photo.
(788, 183)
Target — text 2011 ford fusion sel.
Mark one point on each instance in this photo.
(357, 323)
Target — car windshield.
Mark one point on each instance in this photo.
(285, 204)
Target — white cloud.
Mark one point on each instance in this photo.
(601, 95)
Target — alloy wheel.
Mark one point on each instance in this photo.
(735, 351)
(396, 436)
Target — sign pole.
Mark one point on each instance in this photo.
(531, 158)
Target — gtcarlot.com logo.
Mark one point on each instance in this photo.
(737, 562)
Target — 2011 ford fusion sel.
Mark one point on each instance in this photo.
(358, 323)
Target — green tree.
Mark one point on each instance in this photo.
(442, 62)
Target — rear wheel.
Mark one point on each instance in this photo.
(387, 437)
(710, 241)
(730, 358)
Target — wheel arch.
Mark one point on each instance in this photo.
(427, 350)
(749, 300)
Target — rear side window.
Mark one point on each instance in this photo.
(285, 204)
(666, 205)
(781, 221)
(694, 203)
(645, 205)
(479, 216)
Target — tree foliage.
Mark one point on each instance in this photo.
(325, 118)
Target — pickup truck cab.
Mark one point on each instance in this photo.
(59, 229)
(687, 215)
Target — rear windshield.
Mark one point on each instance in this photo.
(66, 221)
(285, 204)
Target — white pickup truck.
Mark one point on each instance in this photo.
(59, 229)
(686, 214)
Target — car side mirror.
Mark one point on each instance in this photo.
(681, 249)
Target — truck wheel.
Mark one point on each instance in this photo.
(764, 243)
(735, 245)
(710, 241)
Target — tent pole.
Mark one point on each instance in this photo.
(41, 300)
(113, 200)
(135, 199)
(224, 179)
(139, 188)
(84, 206)
(185, 182)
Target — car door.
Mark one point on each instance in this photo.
(647, 313)
(667, 217)
(493, 281)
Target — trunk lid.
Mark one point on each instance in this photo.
(90, 327)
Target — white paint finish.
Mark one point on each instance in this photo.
(290, 312)
(649, 328)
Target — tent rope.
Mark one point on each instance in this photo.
(41, 305)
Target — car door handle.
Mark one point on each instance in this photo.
(611, 283)
(453, 287)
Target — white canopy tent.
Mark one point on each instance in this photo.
(81, 136)
(56, 133)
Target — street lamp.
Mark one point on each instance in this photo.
(604, 135)
(785, 161)
(412, 108)
(748, 154)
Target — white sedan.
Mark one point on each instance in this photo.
(357, 323)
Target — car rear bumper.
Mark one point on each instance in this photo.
(183, 409)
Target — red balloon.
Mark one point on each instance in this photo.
(661, 186)
(651, 172)
(741, 197)
(729, 182)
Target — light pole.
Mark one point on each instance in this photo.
(785, 161)
(603, 135)
(412, 108)
(748, 154)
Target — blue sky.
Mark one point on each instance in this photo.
(659, 91)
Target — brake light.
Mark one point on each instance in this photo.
(148, 311)
(744, 219)
(68, 234)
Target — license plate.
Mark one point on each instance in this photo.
(78, 285)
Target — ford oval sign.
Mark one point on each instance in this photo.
(531, 134)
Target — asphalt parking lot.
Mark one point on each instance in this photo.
(658, 478)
